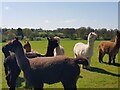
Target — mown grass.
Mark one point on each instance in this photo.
(100, 76)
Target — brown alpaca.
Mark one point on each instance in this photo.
(40, 70)
(110, 48)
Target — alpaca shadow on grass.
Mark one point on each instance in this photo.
(116, 64)
(102, 71)
(19, 81)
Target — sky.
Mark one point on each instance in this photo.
(53, 15)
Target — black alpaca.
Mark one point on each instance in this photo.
(12, 69)
(52, 43)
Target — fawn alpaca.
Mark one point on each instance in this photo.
(58, 50)
(85, 50)
(27, 46)
(49, 70)
(12, 69)
(29, 53)
(110, 48)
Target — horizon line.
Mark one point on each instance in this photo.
(58, 28)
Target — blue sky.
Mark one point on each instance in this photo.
(52, 15)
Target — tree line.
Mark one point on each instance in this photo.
(72, 33)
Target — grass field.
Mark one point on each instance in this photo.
(100, 76)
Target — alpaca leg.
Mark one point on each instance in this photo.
(69, 84)
(87, 67)
(7, 73)
(110, 59)
(10, 82)
(114, 59)
(12, 88)
(6, 68)
(100, 56)
(38, 86)
(12, 76)
(75, 55)
(8, 78)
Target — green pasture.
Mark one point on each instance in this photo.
(100, 76)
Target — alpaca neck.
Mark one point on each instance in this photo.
(21, 59)
(117, 43)
(58, 48)
(50, 51)
(58, 51)
(24, 64)
(90, 44)
(28, 51)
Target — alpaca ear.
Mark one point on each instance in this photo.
(91, 33)
(16, 38)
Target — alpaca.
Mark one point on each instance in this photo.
(110, 48)
(85, 50)
(12, 69)
(52, 44)
(58, 50)
(40, 70)
(29, 53)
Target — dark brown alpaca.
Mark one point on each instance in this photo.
(110, 48)
(40, 70)
(12, 69)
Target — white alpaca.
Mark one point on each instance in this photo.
(85, 50)
(58, 50)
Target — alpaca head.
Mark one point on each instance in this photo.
(118, 34)
(27, 46)
(5, 51)
(58, 39)
(52, 43)
(118, 38)
(13, 45)
(92, 36)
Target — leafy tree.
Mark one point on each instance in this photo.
(20, 33)
(74, 36)
(36, 34)
(27, 32)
